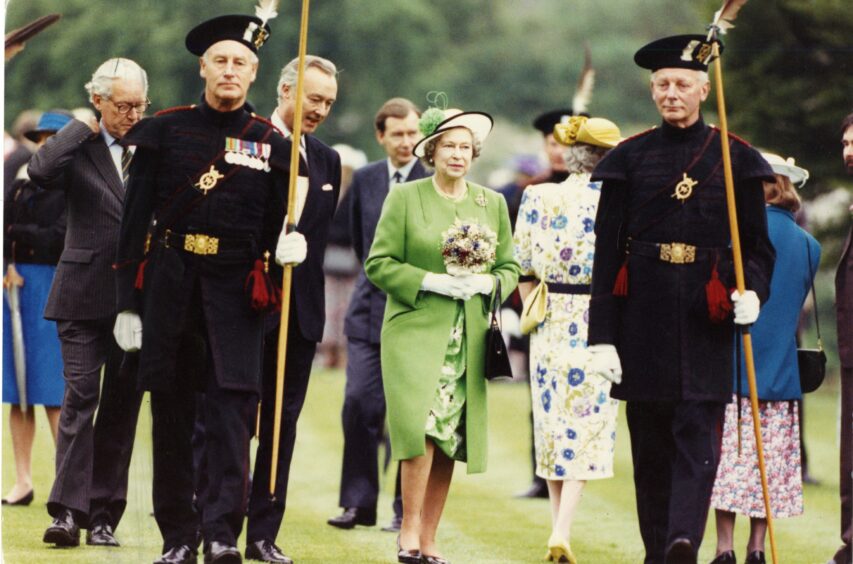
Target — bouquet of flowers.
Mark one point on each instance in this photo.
(468, 247)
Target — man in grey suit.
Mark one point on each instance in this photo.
(86, 161)
(363, 414)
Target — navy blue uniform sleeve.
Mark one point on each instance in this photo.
(609, 256)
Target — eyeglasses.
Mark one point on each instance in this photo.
(124, 108)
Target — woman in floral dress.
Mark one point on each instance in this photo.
(574, 418)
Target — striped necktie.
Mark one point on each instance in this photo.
(126, 157)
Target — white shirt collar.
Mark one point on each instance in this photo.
(279, 123)
(404, 170)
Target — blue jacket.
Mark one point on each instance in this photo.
(774, 334)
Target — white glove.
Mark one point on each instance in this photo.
(128, 331)
(747, 306)
(478, 283)
(510, 323)
(291, 248)
(446, 285)
(605, 362)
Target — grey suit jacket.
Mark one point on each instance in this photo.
(363, 205)
(79, 163)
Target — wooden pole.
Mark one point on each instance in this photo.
(290, 227)
(737, 257)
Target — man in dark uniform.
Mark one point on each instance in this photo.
(317, 197)
(205, 203)
(844, 308)
(363, 415)
(659, 307)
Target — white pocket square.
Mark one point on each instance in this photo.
(327, 187)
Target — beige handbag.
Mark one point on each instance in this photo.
(535, 308)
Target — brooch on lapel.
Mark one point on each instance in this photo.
(480, 200)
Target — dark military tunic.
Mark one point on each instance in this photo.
(668, 346)
(244, 210)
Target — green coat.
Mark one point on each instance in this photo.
(417, 324)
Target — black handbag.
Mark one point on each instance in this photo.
(812, 362)
(497, 359)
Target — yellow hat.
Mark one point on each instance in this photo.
(592, 131)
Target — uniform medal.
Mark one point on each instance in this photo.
(250, 154)
(208, 180)
(684, 189)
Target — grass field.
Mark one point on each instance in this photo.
(482, 521)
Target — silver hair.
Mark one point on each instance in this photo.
(582, 157)
(290, 71)
(112, 70)
(429, 149)
(701, 75)
(253, 57)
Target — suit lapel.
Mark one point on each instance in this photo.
(314, 172)
(100, 155)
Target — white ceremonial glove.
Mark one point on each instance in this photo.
(510, 323)
(478, 283)
(291, 248)
(747, 306)
(605, 362)
(128, 331)
(446, 285)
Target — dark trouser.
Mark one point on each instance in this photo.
(265, 514)
(675, 447)
(363, 418)
(93, 456)
(228, 417)
(845, 487)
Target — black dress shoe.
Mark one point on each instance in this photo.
(681, 551)
(266, 551)
(755, 557)
(407, 556)
(353, 516)
(538, 489)
(727, 557)
(101, 534)
(221, 553)
(26, 500)
(63, 531)
(394, 526)
(178, 555)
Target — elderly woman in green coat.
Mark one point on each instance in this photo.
(433, 336)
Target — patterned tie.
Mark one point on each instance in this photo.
(126, 157)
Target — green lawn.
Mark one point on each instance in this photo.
(482, 522)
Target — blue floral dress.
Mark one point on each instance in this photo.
(574, 417)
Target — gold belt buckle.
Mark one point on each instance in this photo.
(677, 253)
(201, 244)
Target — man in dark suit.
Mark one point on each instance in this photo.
(87, 162)
(204, 207)
(363, 415)
(659, 306)
(844, 307)
(317, 199)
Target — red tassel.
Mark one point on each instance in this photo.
(620, 287)
(140, 275)
(719, 304)
(258, 293)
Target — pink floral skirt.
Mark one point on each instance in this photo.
(737, 487)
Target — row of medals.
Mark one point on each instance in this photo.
(245, 159)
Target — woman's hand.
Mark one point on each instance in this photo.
(478, 283)
(12, 277)
(446, 285)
